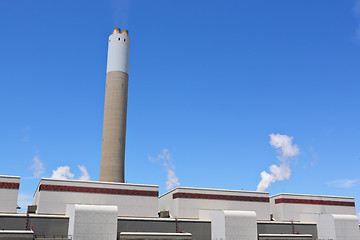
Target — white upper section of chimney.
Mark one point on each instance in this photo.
(118, 52)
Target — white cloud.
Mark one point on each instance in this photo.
(62, 172)
(84, 173)
(37, 167)
(285, 149)
(344, 183)
(167, 161)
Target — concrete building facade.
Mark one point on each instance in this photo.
(185, 202)
(136, 200)
(9, 190)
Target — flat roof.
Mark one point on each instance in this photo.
(213, 189)
(285, 222)
(309, 195)
(162, 219)
(284, 235)
(119, 217)
(97, 182)
(32, 215)
(8, 176)
(16, 231)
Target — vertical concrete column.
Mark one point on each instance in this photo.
(115, 110)
(92, 222)
(231, 224)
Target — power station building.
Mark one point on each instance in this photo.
(110, 209)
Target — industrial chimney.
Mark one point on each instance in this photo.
(114, 128)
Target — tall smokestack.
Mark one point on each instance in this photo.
(114, 128)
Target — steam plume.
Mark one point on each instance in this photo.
(283, 144)
(37, 167)
(84, 173)
(285, 149)
(167, 161)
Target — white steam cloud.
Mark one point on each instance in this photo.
(37, 167)
(63, 172)
(283, 144)
(165, 158)
(285, 149)
(84, 173)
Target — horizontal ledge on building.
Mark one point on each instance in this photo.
(220, 197)
(314, 202)
(81, 189)
(213, 190)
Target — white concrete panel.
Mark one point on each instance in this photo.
(92, 222)
(217, 218)
(189, 207)
(231, 225)
(9, 189)
(324, 222)
(8, 200)
(346, 227)
(240, 225)
(118, 53)
(335, 226)
(54, 202)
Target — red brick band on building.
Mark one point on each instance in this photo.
(220, 197)
(9, 185)
(61, 188)
(312, 201)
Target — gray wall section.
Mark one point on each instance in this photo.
(48, 226)
(114, 127)
(16, 235)
(286, 228)
(200, 230)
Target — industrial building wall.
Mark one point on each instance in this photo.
(50, 226)
(185, 202)
(136, 200)
(44, 226)
(200, 230)
(272, 227)
(16, 235)
(287, 207)
(9, 188)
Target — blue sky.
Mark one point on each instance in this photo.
(209, 82)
